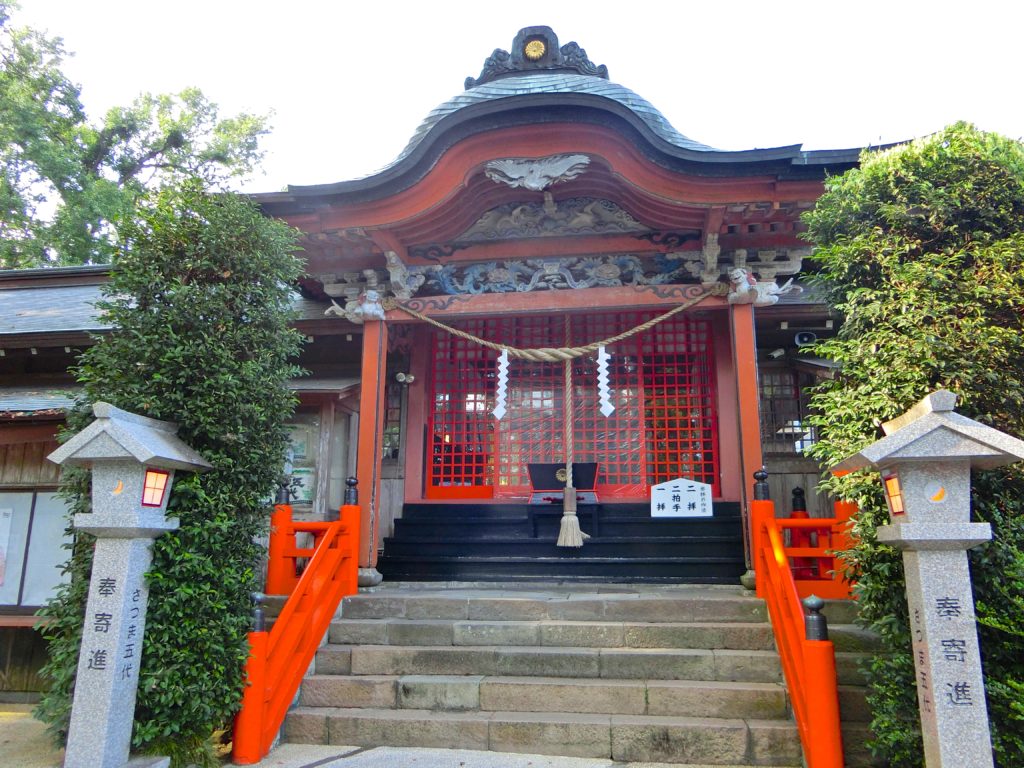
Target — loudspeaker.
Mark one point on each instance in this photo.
(805, 338)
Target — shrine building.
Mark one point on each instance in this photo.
(553, 286)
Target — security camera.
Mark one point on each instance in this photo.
(775, 354)
(805, 338)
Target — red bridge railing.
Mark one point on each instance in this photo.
(278, 659)
(808, 656)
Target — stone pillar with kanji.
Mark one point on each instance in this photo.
(925, 461)
(133, 459)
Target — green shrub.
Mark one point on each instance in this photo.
(921, 249)
(200, 304)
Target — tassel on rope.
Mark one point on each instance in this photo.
(569, 532)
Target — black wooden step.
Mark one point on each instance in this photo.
(497, 541)
(492, 510)
(609, 547)
(464, 528)
(543, 521)
(689, 570)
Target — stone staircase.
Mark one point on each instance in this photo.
(680, 674)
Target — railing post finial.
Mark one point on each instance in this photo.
(351, 494)
(815, 623)
(259, 616)
(799, 500)
(761, 492)
(284, 484)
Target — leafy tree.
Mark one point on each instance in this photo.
(921, 249)
(64, 180)
(200, 306)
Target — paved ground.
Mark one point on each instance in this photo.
(23, 740)
(24, 744)
(302, 756)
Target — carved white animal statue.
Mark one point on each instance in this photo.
(747, 290)
(368, 308)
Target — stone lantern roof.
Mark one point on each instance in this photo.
(118, 434)
(932, 431)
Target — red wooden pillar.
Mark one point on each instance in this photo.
(744, 357)
(371, 431)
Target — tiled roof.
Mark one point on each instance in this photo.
(21, 401)
(35, 401)
(57, 308)
(331, 385)
(49, 309)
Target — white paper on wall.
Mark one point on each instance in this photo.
(681, 498)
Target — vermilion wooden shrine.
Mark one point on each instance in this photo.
(547, 207)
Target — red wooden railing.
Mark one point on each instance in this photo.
(813, 542)
(808, 658)
(278, 659)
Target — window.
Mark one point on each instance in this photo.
(32, 527)
(393, 394)
(784, 409)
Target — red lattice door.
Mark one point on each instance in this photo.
(664, 424)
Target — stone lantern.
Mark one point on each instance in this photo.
(133, 459)
(925, 461)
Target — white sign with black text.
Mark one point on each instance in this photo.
(681, 498)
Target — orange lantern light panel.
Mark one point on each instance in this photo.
(157, 481)
(893, 492)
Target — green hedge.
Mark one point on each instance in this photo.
(200, 304)
(921, 249)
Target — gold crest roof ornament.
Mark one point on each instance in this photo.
(536, 48)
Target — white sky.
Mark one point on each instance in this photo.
(348, 82)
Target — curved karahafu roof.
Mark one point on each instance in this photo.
(538, 81)
(559, 82)
(537, 65)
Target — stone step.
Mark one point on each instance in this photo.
(598, 634)
(731, 635)
(627, 663)
(708, 603)
(541, 661)
(535, 694)
(636, 738)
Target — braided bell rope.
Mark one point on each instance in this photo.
(557, 354)
(569, 446)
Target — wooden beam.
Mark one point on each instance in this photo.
(544, 302)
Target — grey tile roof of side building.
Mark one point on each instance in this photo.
(49, 309)
(24, 401)
(61, 308)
